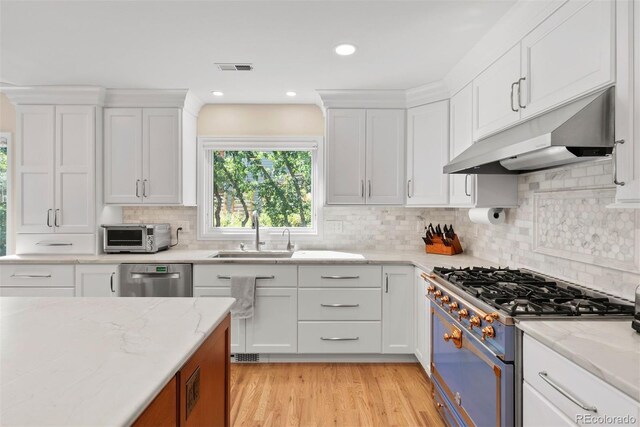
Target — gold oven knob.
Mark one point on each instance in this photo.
(474, 321)
(488, 331)
(453, 307)
(445, 299)
(463, 314)
(431, 289)
(456, 337)
(437, 294)
(489, 318)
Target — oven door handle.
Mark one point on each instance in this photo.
(565, 393)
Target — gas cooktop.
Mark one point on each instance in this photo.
(520, 292)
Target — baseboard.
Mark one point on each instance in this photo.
(333, 358)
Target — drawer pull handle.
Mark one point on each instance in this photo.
(545, 377)
(257, 277)
(31, 276)
(340, 339)
(54, 244)
(340, 305)
(339, 277)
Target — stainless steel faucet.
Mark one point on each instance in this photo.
(255, 223)
(289, 245)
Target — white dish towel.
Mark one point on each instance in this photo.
(243, 289)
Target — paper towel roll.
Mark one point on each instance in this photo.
(487, 215)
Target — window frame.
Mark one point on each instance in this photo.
(279, 143)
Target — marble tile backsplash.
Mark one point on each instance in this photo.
(567, 205)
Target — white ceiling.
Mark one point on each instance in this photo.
(174, 44)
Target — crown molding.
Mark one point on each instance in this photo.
(59, 95)
(426, 94)
(363, 98)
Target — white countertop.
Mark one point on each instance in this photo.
(609, 349)
(417, 258)
(95, 361)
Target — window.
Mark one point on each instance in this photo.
(4, 144)
(278, 177)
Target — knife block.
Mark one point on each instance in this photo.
(438, 246)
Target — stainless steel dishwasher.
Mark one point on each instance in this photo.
(155, 280)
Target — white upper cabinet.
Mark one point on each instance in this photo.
(385, 157)
(495, 95)
(35, 168)
(365, 156)
(568, 55)
(56, 169)
(346, 130)
(161, 154)
(627, 154)
(123, 155)
(427, 153)
(75, 169)
(143, 156)
(462, 186)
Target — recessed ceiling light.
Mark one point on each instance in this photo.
(291, 93)
(216, 93)
(345, 49)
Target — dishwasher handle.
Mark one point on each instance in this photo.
(135, 275)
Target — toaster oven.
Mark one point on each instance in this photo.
(136, 238)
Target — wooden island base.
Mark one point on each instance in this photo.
(198, 395)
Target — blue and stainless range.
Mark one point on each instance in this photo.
(474, 360)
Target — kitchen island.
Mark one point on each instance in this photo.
(113, 361)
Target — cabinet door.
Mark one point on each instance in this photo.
(537, 411)
(346, 156)
(161, 155)
(237, 325)
(34, 169)
(123, 155)
(568, 55)
(627, 157)
(274, 325)
(422, 322)
(75, 169)
(397, 310)
(494, 97)
(385, 157)
(461, 138)
(97, 280)
(427, 153)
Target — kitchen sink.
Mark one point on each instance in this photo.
(252, 254)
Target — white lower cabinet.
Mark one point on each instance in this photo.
(273, 329)
(568, 389)
(37, 280)
(97, 280)
(339, 337)
(422, 322)
(238, 342)
(397, 310)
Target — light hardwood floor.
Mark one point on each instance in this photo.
(331, 394)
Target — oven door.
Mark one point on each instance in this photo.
(125, 239)
(477, 385)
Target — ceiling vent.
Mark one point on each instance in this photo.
(234, 67)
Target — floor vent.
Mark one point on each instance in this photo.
(247, 357)
(234, 67)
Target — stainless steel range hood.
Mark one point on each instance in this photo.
(582, 130)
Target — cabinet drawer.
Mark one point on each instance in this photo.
(55, 244)
(271, 276)
(339, 304)
(544, 369)
(37, 275)
(342, 276)
(339, 337)
(36, 292)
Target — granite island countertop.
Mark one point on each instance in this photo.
(417, 258)
(609, 349)
(95, 361)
